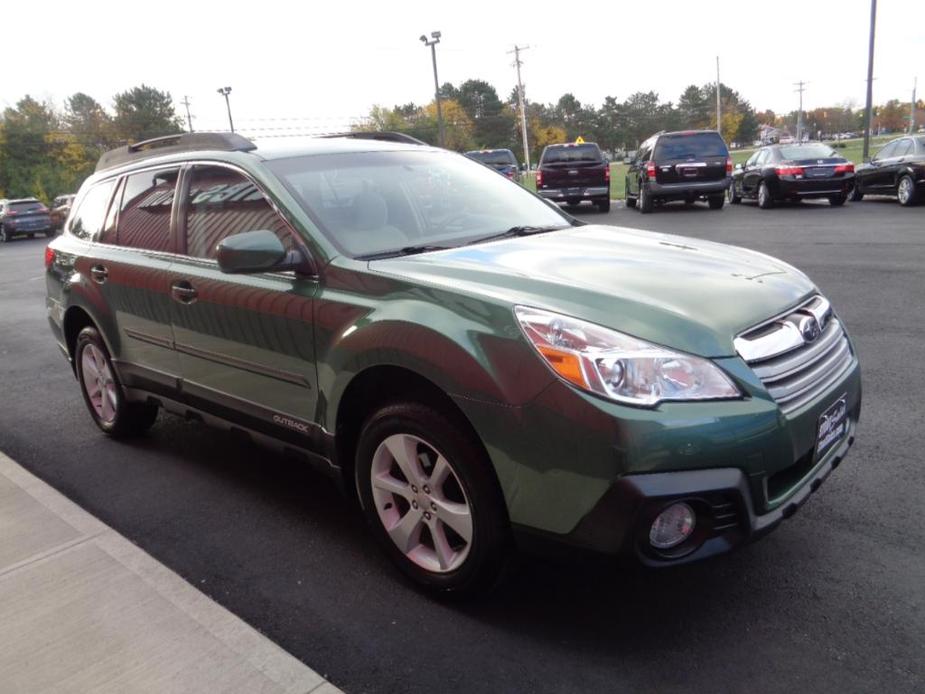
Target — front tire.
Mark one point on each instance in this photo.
(630, 200)
(856, 194)
(765, 201)
(906, 192)
(734, 197)
(431, 498)
(103, 393)
(5, 235)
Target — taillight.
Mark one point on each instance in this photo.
(650, 170)
(789, 170)
(49, 257)
(539, 178)
(728, 165)
(607, 172)
(845, 168)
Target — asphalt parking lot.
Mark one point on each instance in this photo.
(834, 600)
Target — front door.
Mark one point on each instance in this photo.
(245, 342)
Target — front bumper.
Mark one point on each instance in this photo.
(580, 192)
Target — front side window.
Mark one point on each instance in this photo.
(222, 202)
(376, 202)
(144, 215)
(88, 219)
(888, 151)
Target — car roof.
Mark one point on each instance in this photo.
(21, 200)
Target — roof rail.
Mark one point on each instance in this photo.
(383, 135)
(169, 144)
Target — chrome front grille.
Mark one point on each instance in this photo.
(799, 355)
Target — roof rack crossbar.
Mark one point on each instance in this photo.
(170, 144)
(381, 135)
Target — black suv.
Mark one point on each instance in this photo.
(24, 217)
(501, 160)
(574, 172)
(689, 165)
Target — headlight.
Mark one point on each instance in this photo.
(618, 366)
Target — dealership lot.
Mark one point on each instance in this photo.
(834, 600)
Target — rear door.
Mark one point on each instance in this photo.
(573, 166)
(246, 342)
(129, 266)
(690, 156)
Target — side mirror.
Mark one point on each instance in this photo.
(259, 251)
(738, 167)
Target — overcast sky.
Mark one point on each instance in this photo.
(323, 64)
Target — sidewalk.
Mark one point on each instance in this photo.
(82, 609)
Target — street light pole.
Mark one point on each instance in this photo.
(434, 40)
(225, 91)
(870, 81)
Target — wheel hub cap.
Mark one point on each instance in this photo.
(421, 503)
(99, 383)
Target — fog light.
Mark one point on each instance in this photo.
(672, 526)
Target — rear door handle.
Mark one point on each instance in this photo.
(99, 273)
(183, 292)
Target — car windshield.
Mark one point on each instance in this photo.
(377, 202)
(498, 156)
(690, 146)
(813, 150)
(25, 206)
(571, 153)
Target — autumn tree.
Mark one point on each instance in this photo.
(142, 113)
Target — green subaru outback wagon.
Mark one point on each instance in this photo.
(481, 370)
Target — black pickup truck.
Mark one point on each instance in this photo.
(574, 172)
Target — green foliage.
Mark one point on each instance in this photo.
(142, 113)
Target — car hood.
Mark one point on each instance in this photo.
(676, 291)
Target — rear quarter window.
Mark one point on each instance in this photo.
(695, 145)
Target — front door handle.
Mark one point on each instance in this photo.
(99, 273)
(183, 292)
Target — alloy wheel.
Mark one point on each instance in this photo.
(904, 192)
(99, 383)
(421, 503)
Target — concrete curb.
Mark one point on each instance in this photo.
(100, 614)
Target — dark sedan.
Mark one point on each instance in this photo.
(897, 169)
(793, 172)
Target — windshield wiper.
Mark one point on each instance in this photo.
(406, 250)
(523, 230)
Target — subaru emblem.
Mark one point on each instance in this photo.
(809, 329)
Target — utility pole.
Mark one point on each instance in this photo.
(719, 108)
(870, 81)
(225, 91)
(912, 107)
(522, 101)
(801, 87)
(189, 118)
(434, 40)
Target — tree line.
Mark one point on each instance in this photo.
(476, 117)
(45, 152)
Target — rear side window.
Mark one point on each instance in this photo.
(690, 146)
(903, 148)
(222, 203)
(144, 215)
(88, 219)
(888, 151)
(572, 153)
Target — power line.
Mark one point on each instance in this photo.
(522, 100)
(189, 118)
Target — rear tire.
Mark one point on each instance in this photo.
(604, 205)
(838, 200)
(4, 235)
(436, 508)
(103, 393)
(716, 202)
(646, 202)
(906, 192)
(765, 201)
